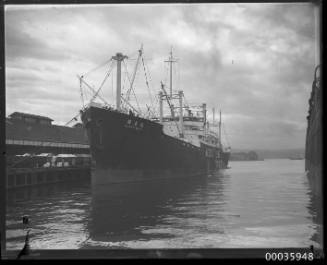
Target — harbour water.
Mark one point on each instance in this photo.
(254, 204)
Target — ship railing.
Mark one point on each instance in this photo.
(197, 119)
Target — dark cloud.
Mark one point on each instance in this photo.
(253, 61)
(297, 17)
(20, 44)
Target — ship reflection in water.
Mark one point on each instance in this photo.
(253, 204)
(155, 210)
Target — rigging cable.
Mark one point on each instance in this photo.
(104, 80)
(112, 86)
(93, 90)
(81, 91)
(74, 118)
(179, 75)
(156, 101)
(166, 73)
(170, 106)
(97, 92)
(125, 77)
(226, 135)
(147, 83)
(132, 89)
(130, 57)
(97, 67)
(134, 73)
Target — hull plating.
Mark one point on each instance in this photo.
(138, 149)
(313, 152)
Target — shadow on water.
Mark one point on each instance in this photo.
(315, 208)
(248, 205)
(121, 212)
(25, 194)
(50, 208)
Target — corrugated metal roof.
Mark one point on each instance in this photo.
(21, 130)
(65, 155)
(44, 154)
(28, 115)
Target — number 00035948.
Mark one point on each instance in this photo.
(291, 256)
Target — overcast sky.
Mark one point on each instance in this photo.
(255, 62)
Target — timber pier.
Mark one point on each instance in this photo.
(26, 177)
(39, 152)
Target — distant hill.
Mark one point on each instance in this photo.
(244, 156)
(279, 154)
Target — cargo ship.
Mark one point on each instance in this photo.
(127, 145)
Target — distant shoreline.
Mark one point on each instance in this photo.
(266, 159)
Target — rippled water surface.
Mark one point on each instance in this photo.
(252, 204)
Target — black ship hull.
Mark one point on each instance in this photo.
(313, 157)
(313, 152)
(129, 148)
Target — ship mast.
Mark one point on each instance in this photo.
(220, 128)
(204, 110)
(171, 106)
(171, 96)
(119, 58)
(180, 95)
(134, 73)
(160, 106)
(171, 61)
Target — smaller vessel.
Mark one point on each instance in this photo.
(296, 158)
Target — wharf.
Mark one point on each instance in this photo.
(25, 177)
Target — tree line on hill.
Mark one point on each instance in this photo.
(245, 155)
